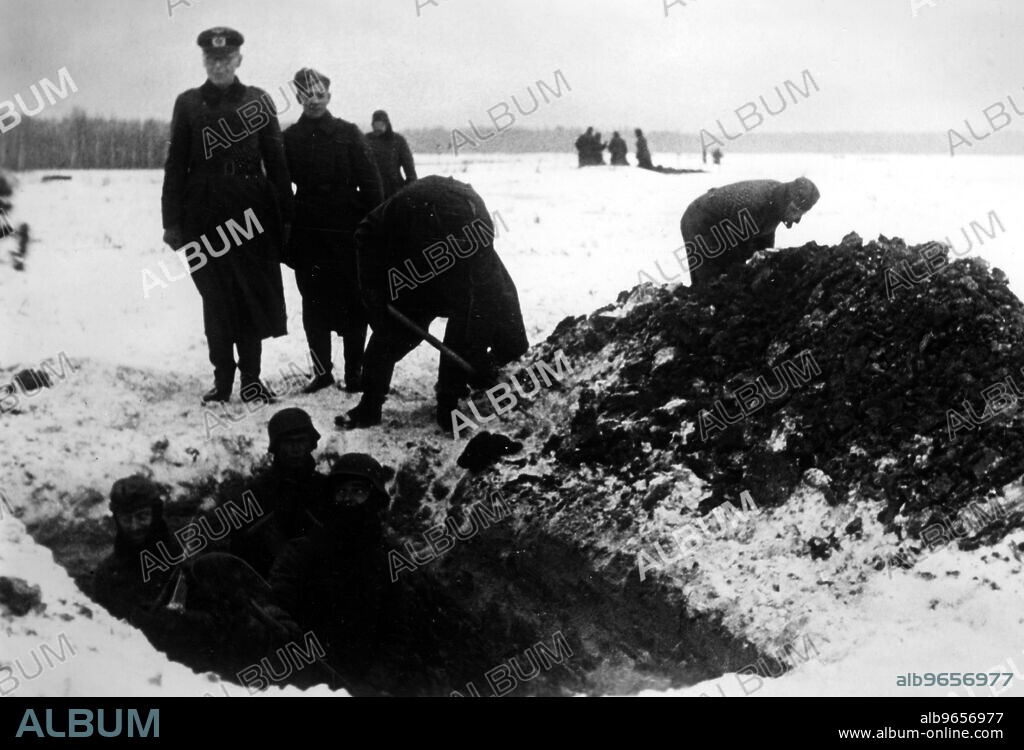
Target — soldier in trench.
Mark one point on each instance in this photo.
(428, 252)
(137, 512)
(194, 619)
(765, 203)
(292, 494)
(335, 580)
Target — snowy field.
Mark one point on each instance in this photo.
(575, 239)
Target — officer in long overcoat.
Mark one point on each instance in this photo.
(227, 203)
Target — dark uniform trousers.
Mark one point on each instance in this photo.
(330, 302)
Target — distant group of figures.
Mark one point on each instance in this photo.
(591, 150)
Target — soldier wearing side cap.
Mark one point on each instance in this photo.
(337, 184)
(226, 164)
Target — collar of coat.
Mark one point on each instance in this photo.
(324, 123)
(213, 94)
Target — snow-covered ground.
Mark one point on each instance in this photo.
(574, 239)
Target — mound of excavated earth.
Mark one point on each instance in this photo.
(817, 358)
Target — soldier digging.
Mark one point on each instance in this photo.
(227, 186)
(756, 207)
(428, 252)
(336, 186)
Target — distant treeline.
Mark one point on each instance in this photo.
(80, 141)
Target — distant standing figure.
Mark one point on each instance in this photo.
(337, 184)
(643, 154)
(584, 147)
(716, 155)
(391, 153)
(7, 185)
(599, 148)
(6, 191)
(617, 149)
(711, 250)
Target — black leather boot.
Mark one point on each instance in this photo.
(219, 393)
(254, 391)
(319, 382)
(365, 414)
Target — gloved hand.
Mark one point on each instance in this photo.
(174, 236)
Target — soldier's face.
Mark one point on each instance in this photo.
(352, 493)
(295, 450)
(135, 526)
(379, 127)
(792, 215)
(220, 69)
(315, 104)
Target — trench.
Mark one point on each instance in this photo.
(486, 606)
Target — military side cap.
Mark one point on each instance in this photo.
(307, 78)
(134, 493)
(220, 39)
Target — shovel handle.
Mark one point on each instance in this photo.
(432, 340)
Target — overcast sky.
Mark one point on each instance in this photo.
(878, 67)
